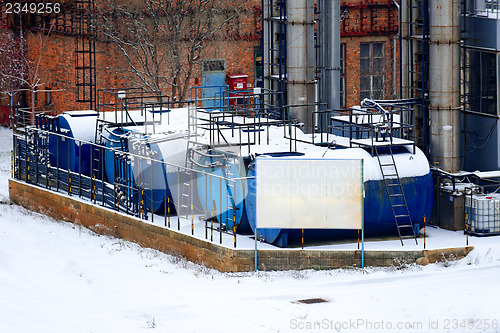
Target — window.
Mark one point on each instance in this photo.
(481, 81)
(48, 97)
(342, 75)
(35, 96)
(372, 70)
(214, 65)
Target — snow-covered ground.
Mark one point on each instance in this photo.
(58, 277)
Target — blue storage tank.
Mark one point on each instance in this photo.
(224, 194)
(138, 140)
(112, 140)
(115, 136)
(417, 185)
(158, 180)
(70, 154)
(161, 178)
(148, 174)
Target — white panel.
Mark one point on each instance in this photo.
(309, 194)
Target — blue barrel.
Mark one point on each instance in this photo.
(152, 175)
(112, 140)
(378, 215)
(149, 177)
(69, 153)
(222, 196)
(115, 137)
(141, 173)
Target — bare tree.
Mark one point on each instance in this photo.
(13, 67)
(162, 40)
(19, 73)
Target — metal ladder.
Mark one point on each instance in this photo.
(96, 152)
(97, 160)
(231, 199)
(186, 195)
(129, 195)
(395, 193)
(186, 192)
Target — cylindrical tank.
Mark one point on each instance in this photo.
(140, 139)
(112, 139)
(148, 172)
(71, 154)
(116, 136)
(221, 196)
(170, 148)
(417, 185)
(148, 175)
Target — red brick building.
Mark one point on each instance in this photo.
(369, 31)
(50, 45)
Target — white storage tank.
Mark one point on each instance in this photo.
(484, 213)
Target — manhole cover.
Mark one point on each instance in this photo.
(312, 300)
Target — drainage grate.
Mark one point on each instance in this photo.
(312, 300)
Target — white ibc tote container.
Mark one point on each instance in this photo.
(484, 210)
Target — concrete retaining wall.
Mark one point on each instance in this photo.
(108, 222)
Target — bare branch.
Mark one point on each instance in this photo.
(162, 40)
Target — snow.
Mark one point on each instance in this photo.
(272, 139)
(82, 125)
(58, 277)
(364, 118)
(488, 174)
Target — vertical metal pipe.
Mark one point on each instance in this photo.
(300, 60)
(221, 208)
(424, 72)
(329, 57)
(101, 171)
(80, 168)
(152, 192)
(191, 196)
(265, 48)
(165, 204)
(179, 203)
(403, 57)
(444, 84)
(394, 59)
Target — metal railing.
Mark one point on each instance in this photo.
(483, 8)
(381, 123)
(59, 163)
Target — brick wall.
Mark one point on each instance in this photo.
(57, 63)
(365, 21)
(369, 21)
(352, 63)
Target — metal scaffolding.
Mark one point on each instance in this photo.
(85, 62)
(414, 21)
(275, 52)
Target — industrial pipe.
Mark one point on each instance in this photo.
(301, 60)
(444, 84)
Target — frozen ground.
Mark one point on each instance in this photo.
(57, 277)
